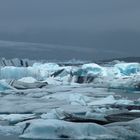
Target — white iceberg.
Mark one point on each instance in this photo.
(128, 68)
(121, 75)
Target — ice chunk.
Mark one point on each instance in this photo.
(121, 75)
(54, 129)
(46, 69)
(128, 68)
(14, 118)
(4, 86)
(23, 85)
(89, 69)
(10, 130)
(122, 82)
(54, 114)
(11, 72)
(126, 130)
(28, 80)
(110, 100)
(70, 97)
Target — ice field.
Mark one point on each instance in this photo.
(43, 100)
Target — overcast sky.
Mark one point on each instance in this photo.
(66, 29)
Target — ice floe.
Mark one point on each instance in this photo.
(120, 75)
(58, 129)
(15, 118)
(53, 101)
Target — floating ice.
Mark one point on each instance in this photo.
(91, 69)
(110, 100)
(4, 86)
(126, 130)
(11, 72)
(120, 75)
(55, 92)
(14, 118)
(128, 68)
(58, 129)
(28, 80)
(72, 98)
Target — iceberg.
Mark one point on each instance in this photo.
(92, 69)
(120, 75)
(128, 68)
(11, 72)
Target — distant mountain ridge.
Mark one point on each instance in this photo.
(28, 62)
(126, 59)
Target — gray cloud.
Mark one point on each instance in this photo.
(83, 29)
